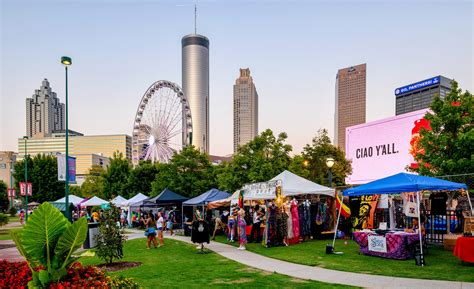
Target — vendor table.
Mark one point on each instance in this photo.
(398, 244)
(464, 249)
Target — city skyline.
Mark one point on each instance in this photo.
(113, 63)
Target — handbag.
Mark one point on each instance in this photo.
(411, 208)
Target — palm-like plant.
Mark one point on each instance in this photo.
(47, 242)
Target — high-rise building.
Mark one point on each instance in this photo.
(7, 163)
(44, 113)
(245, 109)
(419, 95)
(195, 78)
(350, 101)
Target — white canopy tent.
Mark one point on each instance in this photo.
(135, 201)
(75, 200)
(94, 201)
(291, 185)
(118, 201)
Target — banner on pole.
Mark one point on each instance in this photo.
(11, 193)
(62, 168)
(26, 188)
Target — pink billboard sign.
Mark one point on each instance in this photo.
(381, 148)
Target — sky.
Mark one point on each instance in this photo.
(293, 49)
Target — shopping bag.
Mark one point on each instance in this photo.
(411, 207)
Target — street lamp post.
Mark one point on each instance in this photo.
(66, 61)
(329, 164)
(26, 179)
(11, 184)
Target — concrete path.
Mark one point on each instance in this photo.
(321, 274)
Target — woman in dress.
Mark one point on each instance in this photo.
(150, 231)
(241, 229)
(160, 224)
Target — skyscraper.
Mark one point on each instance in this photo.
(44, 113)
(350, 101)
(420, 95)
(195, 78)
(245, 109)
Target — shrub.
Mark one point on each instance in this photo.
(47, 242)
(111, 237)
(12, 211)
(121, 282)
(3, 219)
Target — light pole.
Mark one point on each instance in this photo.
(11, 183)
(329, 164)
(66, 61)
(26, 179)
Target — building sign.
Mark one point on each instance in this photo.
(62, 168)
(422, 84)
(381, 148)
(261, 191)
(377, 244)
(24, 188)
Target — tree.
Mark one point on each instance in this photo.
(141, 177)
(189, 173)
(4, 202)
(299, 166)
(94, 183)
(316, 154)
(448, 147)
(259, 160)
(110, 238)
(116, 176)
(43, 174)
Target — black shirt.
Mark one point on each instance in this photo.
(438, 203)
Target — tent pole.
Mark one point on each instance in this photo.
(470, 204)
(420, 195)
(182, 217)
(337, 222)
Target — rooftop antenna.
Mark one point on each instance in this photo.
(195, 17)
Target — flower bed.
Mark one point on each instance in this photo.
(18, 274)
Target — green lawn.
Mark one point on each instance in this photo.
(14, 219)
(441, 264)
(178, 265)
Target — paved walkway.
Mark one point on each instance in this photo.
(321, 274)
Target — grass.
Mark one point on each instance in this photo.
(441, 264)
(13, 219)
(178, 265)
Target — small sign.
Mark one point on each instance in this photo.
(377, 244)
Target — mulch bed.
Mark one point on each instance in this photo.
(118, 266)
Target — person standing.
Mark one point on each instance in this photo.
(150, 231)
(241, 229)
(22, 217)
(160, 224)
(257, 219)
(170, 222)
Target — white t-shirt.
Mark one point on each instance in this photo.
(159, 223)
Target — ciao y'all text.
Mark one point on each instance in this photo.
(378, 150)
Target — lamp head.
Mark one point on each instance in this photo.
(25, 137)
(329, 162)
(305, 163)
(66, 60)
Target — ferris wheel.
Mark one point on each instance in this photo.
(163, 123)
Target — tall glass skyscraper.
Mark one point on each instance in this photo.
(245, 109)
(44, 112)
(195, 78)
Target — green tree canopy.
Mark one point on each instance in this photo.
(141, 177)
(189, 173)
(116, 176)
(259, 160)
(43, 174)
(316, 154)
(448, 148)
(4, 202)
(94, 183)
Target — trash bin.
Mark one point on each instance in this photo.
(92, 231)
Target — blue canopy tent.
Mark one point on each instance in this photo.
(164, 198)
(402, 183)
(205, 198)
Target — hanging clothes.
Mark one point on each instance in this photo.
(272, 226)
(200, 232)
(296, 222)
(290, 221)
(305, 216)
(282, 226)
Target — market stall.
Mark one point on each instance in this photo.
(118, 201)
(75, 200)
(94, 201)
(387, 243)
(133, 203)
